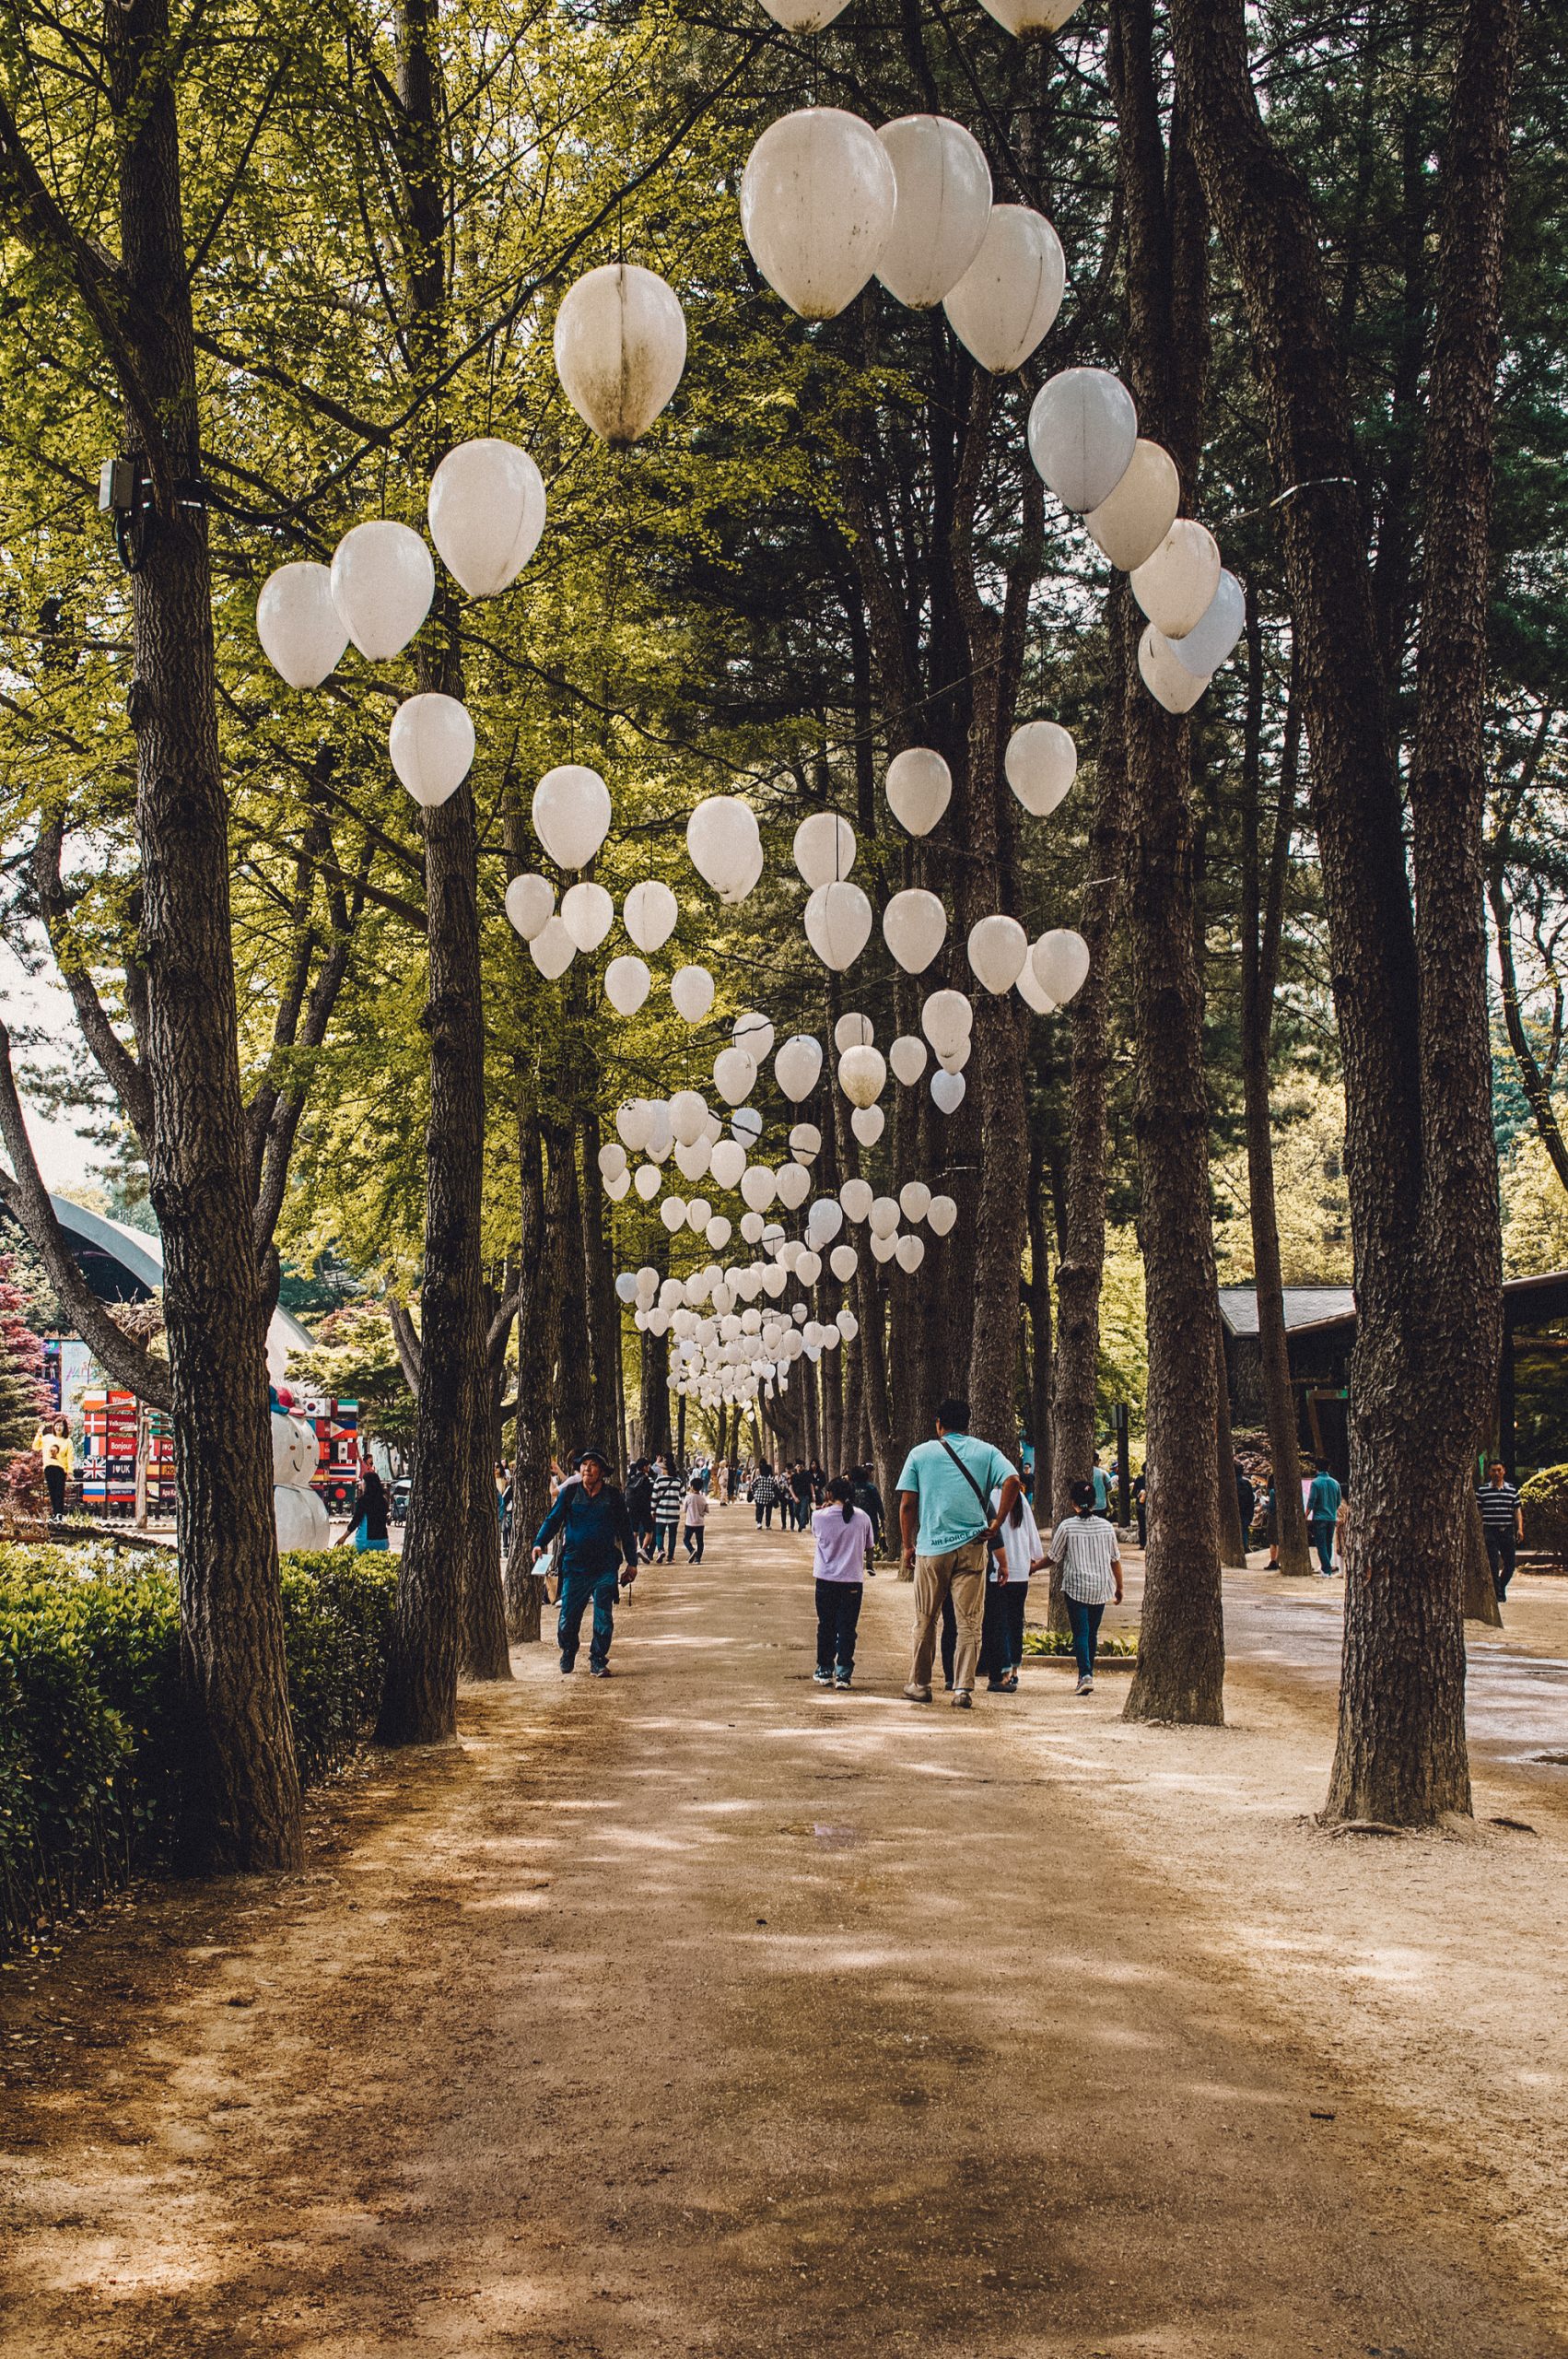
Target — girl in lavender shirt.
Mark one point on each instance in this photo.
(844, 1543)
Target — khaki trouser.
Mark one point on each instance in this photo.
(962, 1572)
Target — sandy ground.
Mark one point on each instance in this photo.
(701, 2012)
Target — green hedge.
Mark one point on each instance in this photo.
(91, 1726)
(1544, 1499)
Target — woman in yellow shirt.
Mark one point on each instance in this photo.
(54, 1446)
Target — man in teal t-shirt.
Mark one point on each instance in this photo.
(944, 1520)
(1323, 1516)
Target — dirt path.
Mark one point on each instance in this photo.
(701, 2012)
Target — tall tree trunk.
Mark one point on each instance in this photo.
(574, 1394)
(1233, 1539)
(1042, 1343)
(538, 1327)
(599, 1291)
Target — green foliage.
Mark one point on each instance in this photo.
(1059, 1642)
(1544, 1499)
(92, 1754)
(356, 1359)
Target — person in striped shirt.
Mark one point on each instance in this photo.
(1085, 1544)
(1502, 1523)
(668, 1495)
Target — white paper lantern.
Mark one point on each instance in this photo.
(727, 1162)
(626, 984)
(844, 1261)
(954, 1060)
(648, 914)
(647, 1180)
(817, 202)
(672, 1213)
(725, 845)
(804, 15)
(914, 1200)
(691, 988)
(384, 578)
(838, 924)
(825, 848)
(914, 926)
(617, 1186)
(718, 1232)
(826, 1220)
(1167, 679)
(907, 1057)
(947, 1092)
(1209, 641)
(620, 348)
(883, 1248)
(486, 512)
(797, 1066)
(805, 1141)
(1006, 300)
(863, 1073)
(699, 1212)
(856, 1199)
(1175, 586)
(910, 1252)
(688, 1112)
(746, 1124)
(1041, 763)
(612, 1159)
(757, 1185)
(1031, 19)
(1130, 525)
(552, 949)
(808, 1269)
(588, 914)
(647, 1282)
(867, 1122)
(998, 947)
(302, 634)
(942, 209)
(635, 1123)
(625, 1286)
(792, 1182)
(883, 1216)
(918, 788)
(734, 1076)
(755, 1034)
(853, 1031)
(661, 1132)
(531, 902)
(1029, 992)
(571, 814)
(946, 1020)
(943, 1213)
(1083, 432)
(696, 1159)
(1061, 960)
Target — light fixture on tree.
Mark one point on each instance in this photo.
(863, 1075)
(1082, 433)
(946, 1019)
(648, 914)
(998, 946)
(432, 744)
(1212, 638)
(384, 578)
(918, 788)
(588, 914)
(1130, 525)
(626, 984)
(487, 512)
(1167, 679)
(1176, 585)
(302, 634)
(797, 1066)
(725, 845)
(1006, 300)
(531, 902)
(691, 988)
(552, 949)
(1041, 763)
(817, 202)
(838, 924)
(620, 348)
(941, 208)
(907, 1057)
(825, 848)
(571, 814)
(914, 926)
(947, 1091)
(1061, 960)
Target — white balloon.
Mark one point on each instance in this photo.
(826, 1220)
(384, 578)
(792, 1181)
(867, 1122)
(954, 1060)
(612, 1159)
(805, 1141)
(1209, 641)
(942, 209)
(755, 1034)
(804, 15)
(718, 1231)
(1061, 960)
(626, 984)
(661, 1133)
(625, 1286)
(853, 1031)
(863, 1073)
(914, 1200)
(797, 1066)
(620, 349)
(734, 1076)
(688, 1112)
(849, 1325)
(647, 1282)
(839, 924)
(696, 1159)
(1031, 18)
(552, 949)
(1166, 678)
(728, 1161)
(998, 947)
(617, 1186)
(648, 914)
(883, 1216)
(432, 744)
(699, 1212)
(588, 914)
(1029, 991)
(855, 1198)
(571, 814)
(1176, 585)
(302, 634)
(647, 1179)
(745, 1122)
(844, 1261)
(531, 902)
(946, 1020)
(1006, 300)
(947, 1092)
(1132, 520)
(635, 1123)
(757, 1185)
(486, 512)
(942, 1213)
(883, 1248)
(808, 1269)
(817, 202)
(691, 988)
(725, 845)
(910, 1252)
(672, 1213)
(907, 1057)
(825, 848)
(914, 926)
(918, 787)
(1083, 432)
(1041, 763)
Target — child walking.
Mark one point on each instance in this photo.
(844, 1544)
(694, 1515)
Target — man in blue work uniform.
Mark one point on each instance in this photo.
(596, 1536)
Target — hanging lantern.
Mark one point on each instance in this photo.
(699, 1212)
(943, 1213)
(1030, 19)
(1130, 525)
(1209, 641)
(432, 744)
(620, 348)
(672, 1213)
(1061, 960)
(942, 209)
(626, 984)
(867, 1122)
(718, 1232)
(863, 1071)
(947, 1092)
(883, 1216)
(918, 787)
(755, 1034)
(612, 1159)
(808, 1269)
(856, 1197)
(914, 1200)
(797, 1066)
(1029, 991)
(634, 1122)
(531, 902)
(697, 1158)
(804, 15)
(998, 947)
(910, 1252)
(746, 1124)
(688, 1112)
(647, 1180)
(619, 1186)
(648, 914)
(817, 202)
(660, 1133)
(1167, 680)
(552, 949)
(838, 924)
(725, 845)
(302, 634)
(946, 1020)
(914, 926)
(883, 1248)
(825, 848)
(625, 1286)
(826, 1220)
(571, 814)
(853, 1031)
(1041, 763)
(734, 1076)
(691, 988)
(793, 1185)
(486, 512)
(954, 1060)
(727, 1161)
(384, 578)
(1006, 300)
(805, 1141)
(757, 1185)
(907, 1057)
(1175, 586)
(844, 1261)
(588, 914)
(1083, 432)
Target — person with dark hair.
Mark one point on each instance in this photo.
(694, 1519)
(53, 1444)
(868, 1498)
(765, 1495)
(1085, 1544)
(843, 1534)
(640, 1505)
(946, 1530)
(669, 1493)
(801, 1485)
(596, 1538)
(368, 1517)
(1325, 1513)
(1501, 1524)
(1007, 1595)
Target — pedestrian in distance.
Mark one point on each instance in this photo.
(693, 1518)
(1503, 1525)
(868, 1498)
(947, 1529)
(1247, 1502)
(640, 1506)
(1325, 1506)
(1140, 1506)
(668, 1498)
(800, 1486)
(53, 1443)
(1007, 1595)
(596, 1540)
(1102, 1482)
(843, 1535)
(368, 1516)
(1085, 1544)
(1271, 1524)
(763, 1493)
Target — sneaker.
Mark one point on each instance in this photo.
(1085, 1684)
(567, 1662)
(599, 1670)
(842, 1678)
(962, 1700)
(996, 1687)
(822, 1678)
(916, 1694)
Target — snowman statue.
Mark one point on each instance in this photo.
(300, 1517)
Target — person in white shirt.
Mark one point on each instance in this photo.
(694, 1518)
(1007, 1594)
(1086, 1548)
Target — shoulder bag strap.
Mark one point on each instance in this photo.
(979, 1494)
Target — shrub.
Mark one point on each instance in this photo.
(1544, 1499)
(1059, 1642)
(91, 1754)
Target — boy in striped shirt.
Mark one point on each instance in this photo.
(1502, 1523)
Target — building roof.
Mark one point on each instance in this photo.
(1305, 1306)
